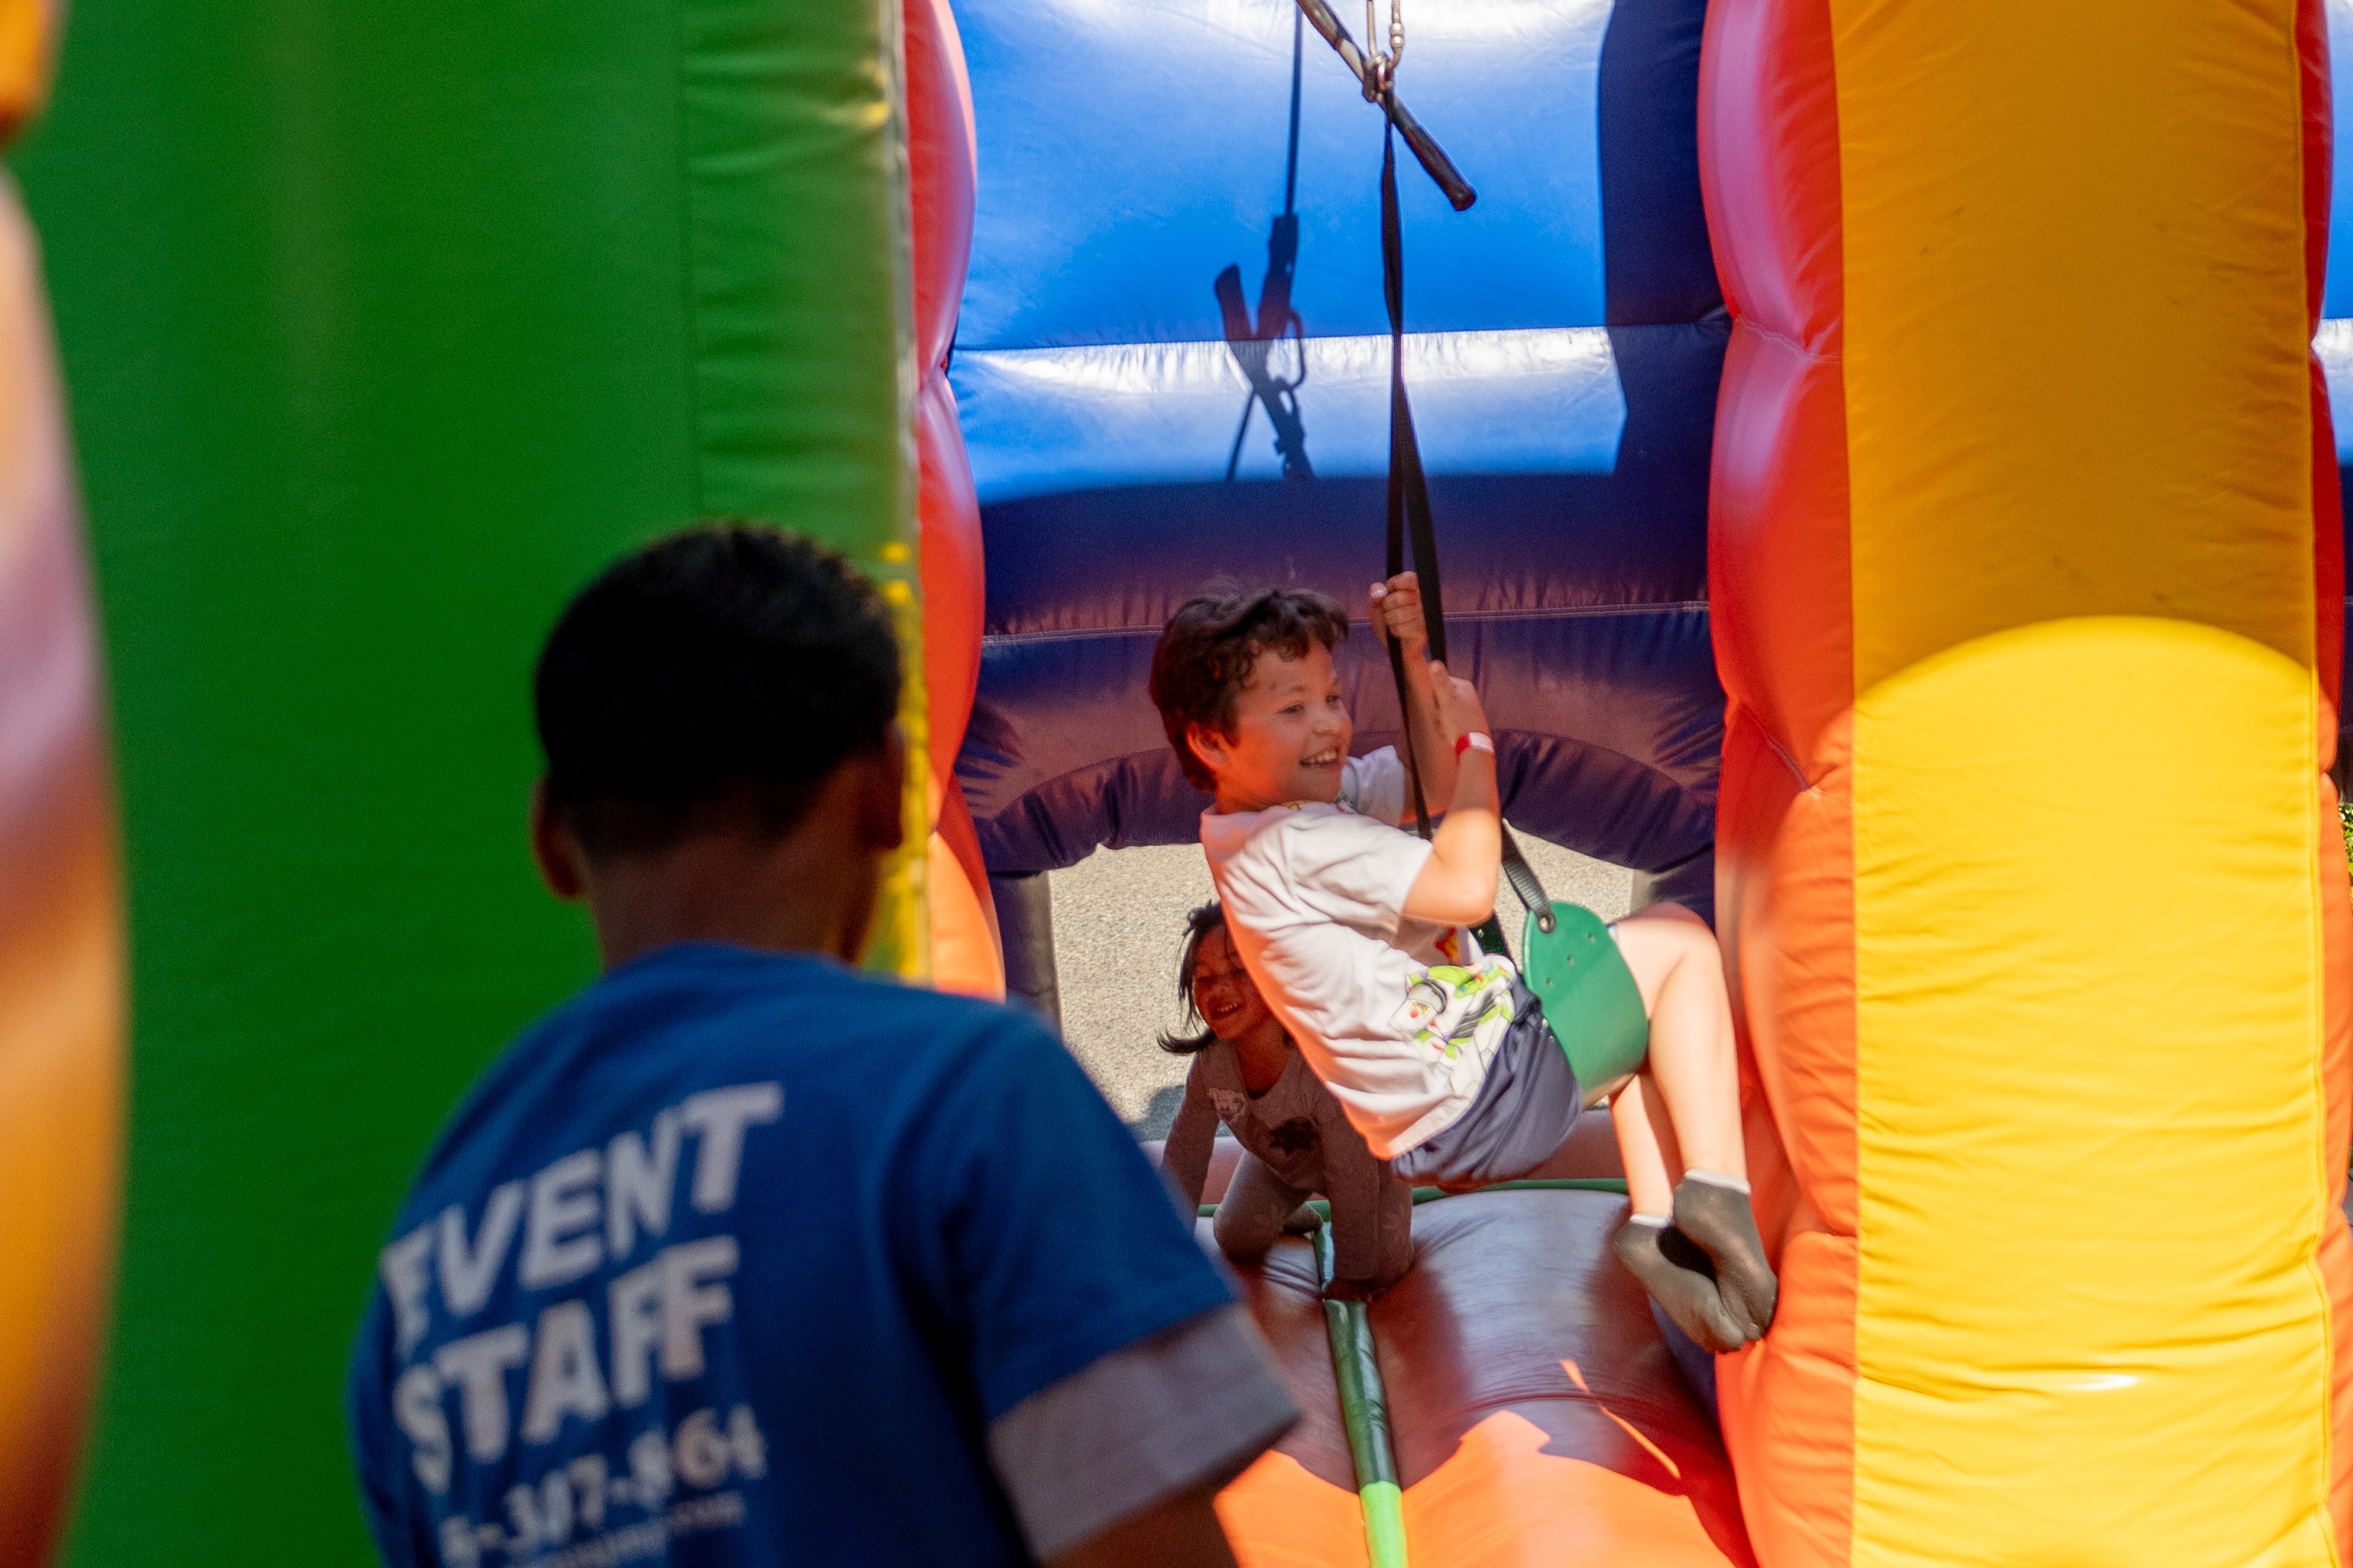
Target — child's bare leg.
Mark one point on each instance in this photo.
(1646, 1145)
(1679, 1277)
(1675, 963)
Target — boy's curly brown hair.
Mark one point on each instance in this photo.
(1205, 653)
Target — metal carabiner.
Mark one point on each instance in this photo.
(1380, 66)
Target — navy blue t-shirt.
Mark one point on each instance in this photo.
(731, 1260)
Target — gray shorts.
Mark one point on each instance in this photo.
(1529, 1101)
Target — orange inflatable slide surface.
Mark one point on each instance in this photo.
(1536, 1416)
(1296, 1507)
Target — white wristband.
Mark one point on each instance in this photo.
(1475, 741)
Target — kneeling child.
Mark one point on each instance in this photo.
(1295, 1139)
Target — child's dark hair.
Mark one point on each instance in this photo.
(1206, 652)
(716, 677)
(1209, 917)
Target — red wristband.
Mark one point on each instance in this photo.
(1475, 737)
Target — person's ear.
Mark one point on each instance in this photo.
(555, 849)
(1209, 746)
(881, 818)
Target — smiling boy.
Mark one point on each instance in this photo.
(1356, 933)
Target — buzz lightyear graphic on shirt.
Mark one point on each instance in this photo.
(1450, 1005)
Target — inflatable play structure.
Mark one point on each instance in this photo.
(1563, 388)
(1883, 462)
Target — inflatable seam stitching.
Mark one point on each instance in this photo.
(1465, 617)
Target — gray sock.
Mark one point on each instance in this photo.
(1716, 1214)
(1687, 1295)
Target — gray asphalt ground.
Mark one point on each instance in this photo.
(1118, 916)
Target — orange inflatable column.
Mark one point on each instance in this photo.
(965, 955)
(61, 958)
(2026, 578)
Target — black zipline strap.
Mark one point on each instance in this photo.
(1409, 516)
(1405, 459)
(1523, 878)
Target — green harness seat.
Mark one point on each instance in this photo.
(1588, 996)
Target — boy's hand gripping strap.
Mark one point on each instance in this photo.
(1409, 510)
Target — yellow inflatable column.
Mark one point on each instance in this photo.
(2047, 959)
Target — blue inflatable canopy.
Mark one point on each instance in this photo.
(1566, 335)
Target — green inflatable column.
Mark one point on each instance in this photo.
(384, 323)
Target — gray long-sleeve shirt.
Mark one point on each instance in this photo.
(1299, 1131)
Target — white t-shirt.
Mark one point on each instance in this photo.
(1315, 896)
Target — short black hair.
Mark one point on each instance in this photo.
(1206, 650)
(713, 678)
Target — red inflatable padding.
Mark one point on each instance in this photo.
(1768, 167)
(2327, 559)
(1777, 538)
(940, 179)
(2328, 543)
(941, 168)
(940, 154)
(966, 951)
(966, 954)
(955, 587)
(1779, 570)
